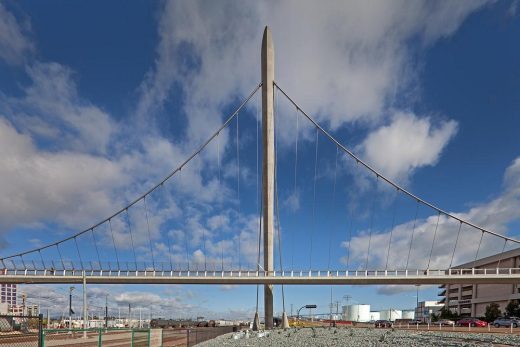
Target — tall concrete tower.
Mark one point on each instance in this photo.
(268, 167)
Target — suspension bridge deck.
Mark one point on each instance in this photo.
(359, 277)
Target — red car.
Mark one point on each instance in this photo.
(473, 322)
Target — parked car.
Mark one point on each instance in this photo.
(471, 322)
(383, 324)
(507, 322)
(445, 322)
(416, 321)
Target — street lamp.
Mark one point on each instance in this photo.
(305, 306)
(70, 307)
(106, 311)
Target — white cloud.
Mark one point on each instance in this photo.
(14, 45)
(52, 110)
(39, 185)
(493, 215)
(406, 144)
(348, 63)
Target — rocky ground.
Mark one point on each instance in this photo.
(361, 337)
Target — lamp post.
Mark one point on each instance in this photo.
(305, 306)
(417, 302)
(70, 307)
(106, 311)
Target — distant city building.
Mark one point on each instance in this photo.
(471, 299)
(7, 292)
(32, 310)
(16, 310)
(426, 309)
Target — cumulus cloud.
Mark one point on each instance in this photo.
(349, 69)
(14, 44)
(52, 110)
(406, 144)
(38, 185)
(493, 215)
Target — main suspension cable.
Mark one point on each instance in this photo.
(384, 178)
(135, 201)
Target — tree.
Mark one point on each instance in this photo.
(445, 313)
(513, 308)
(492, 312)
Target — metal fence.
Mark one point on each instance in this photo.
(102, 337)
(18, 331)
(21, 331)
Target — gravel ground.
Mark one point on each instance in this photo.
(361, 337)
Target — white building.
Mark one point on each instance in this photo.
(391, 314)
(356, 313)
(375, 315)
(408, 314)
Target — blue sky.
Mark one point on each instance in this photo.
(100, 101)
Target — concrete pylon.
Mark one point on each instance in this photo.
(268, 165)
(285, 321)
(256, 322)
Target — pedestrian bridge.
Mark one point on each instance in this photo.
(355, 277)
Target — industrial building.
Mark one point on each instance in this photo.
(390, 314)
(362, 313)
(357, 313)
(426, 309)
(470, 300)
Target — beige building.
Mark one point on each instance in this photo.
(471, 299)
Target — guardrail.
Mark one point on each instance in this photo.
(250, 273)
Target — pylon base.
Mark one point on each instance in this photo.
(256, 322)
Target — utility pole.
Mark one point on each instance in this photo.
(70, 307)
(268, 168)
(106, 311)
(85, 313)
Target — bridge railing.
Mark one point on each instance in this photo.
(251, 273)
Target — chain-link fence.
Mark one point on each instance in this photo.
(193, 336)
(20, 331)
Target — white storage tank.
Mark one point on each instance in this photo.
(357, 313)
(408, 314)
(391, 314)
(375, 315)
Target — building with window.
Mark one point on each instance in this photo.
(7, 292)
(470, 300)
